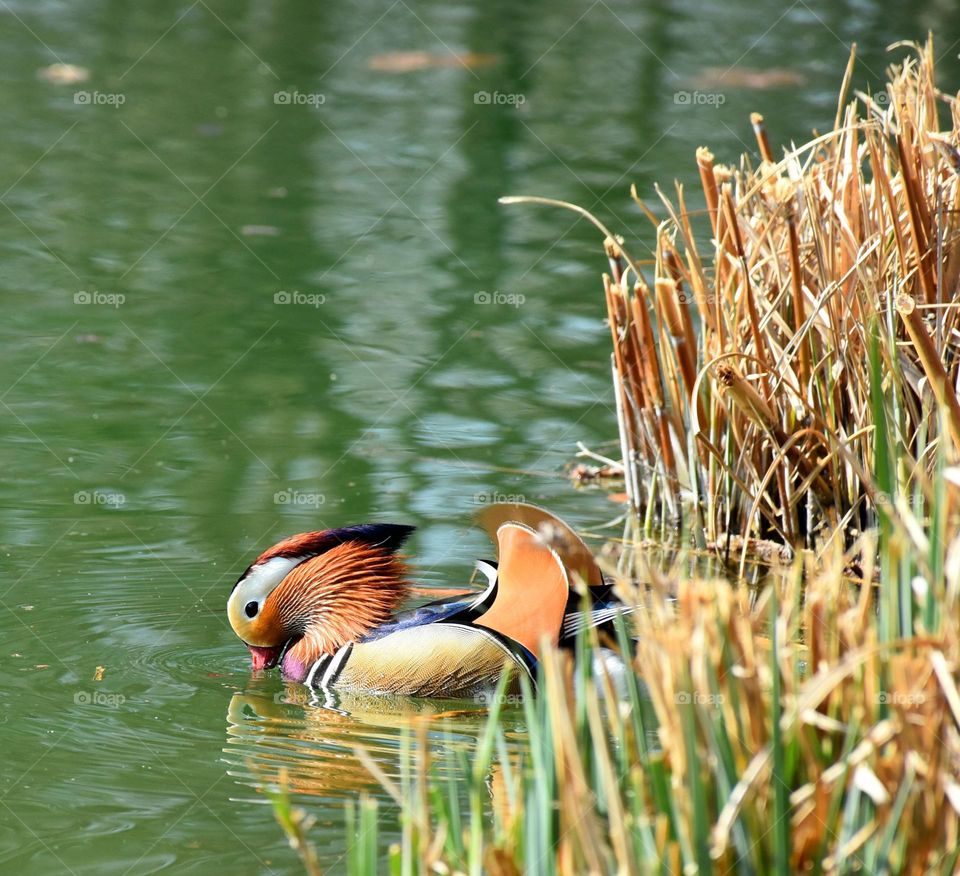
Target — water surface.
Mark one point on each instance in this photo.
(229, 315)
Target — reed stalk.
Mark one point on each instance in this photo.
(858, 226)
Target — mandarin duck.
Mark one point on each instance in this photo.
(324, 605)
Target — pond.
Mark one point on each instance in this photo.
(257, 281)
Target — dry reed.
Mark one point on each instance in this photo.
(742, 361)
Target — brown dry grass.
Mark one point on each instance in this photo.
(750, 357)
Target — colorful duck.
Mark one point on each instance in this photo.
(323, 605)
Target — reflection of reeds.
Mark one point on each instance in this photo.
(742, 366)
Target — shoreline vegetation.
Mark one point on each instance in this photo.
(787, 368)
(786, 373)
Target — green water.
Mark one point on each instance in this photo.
(227, 318)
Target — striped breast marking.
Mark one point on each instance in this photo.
(324, 672)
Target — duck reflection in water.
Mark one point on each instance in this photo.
(324, 745)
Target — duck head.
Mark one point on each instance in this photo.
(311, 593)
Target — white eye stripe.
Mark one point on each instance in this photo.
(261, 581)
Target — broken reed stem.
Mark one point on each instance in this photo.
(763, 141)
(796, 289)
(709, 183)
(932, 365)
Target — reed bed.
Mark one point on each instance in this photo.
(801, 732)
(750, 353)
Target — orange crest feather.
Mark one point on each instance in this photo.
(338, 597)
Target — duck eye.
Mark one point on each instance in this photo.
(251, 609)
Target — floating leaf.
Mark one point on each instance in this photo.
(64, 74)
(408, 62)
